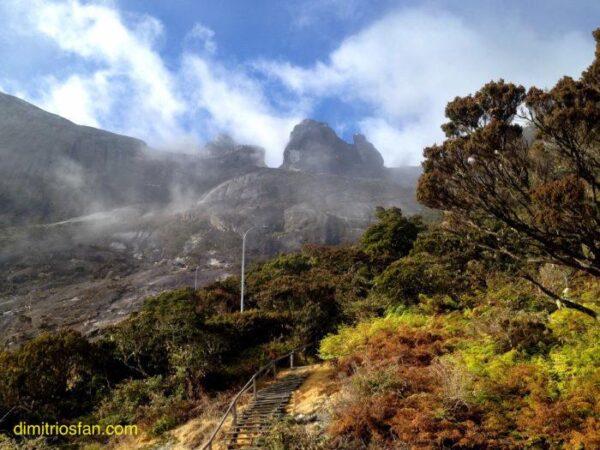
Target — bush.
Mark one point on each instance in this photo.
(165, 423)
(219, 297)
(504, 374)
(239, 331)
(407, 278)
(310, 297)
(55, 376)
(285, 435)
(291, 264)
(125, 404)
(144, 340)
(154, 403)
(392, 237)
(350, 339)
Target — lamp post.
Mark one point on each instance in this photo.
(244, 264)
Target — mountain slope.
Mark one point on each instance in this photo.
(301, 207)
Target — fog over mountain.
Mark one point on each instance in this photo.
(91, 222)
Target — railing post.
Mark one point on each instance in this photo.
(274, 371)
(292, 360)
(234, 414)
(254, 387)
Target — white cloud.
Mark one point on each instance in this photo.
(238, 105)
(130, 89)
(124, 85)
(393, 141)
(401, 71)
(79, 99)
(409, 64)
(205, 35)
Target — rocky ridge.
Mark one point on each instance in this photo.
(315, 147)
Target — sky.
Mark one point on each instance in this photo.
(176, 73)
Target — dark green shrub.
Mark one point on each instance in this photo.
(55, 376)
(143, 341)
(219, 297)
(292, 263)
(405, 279)
(392, 237)
(240, 330)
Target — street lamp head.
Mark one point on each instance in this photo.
(253, 227)
(244, 262)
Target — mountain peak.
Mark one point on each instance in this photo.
(315, 147)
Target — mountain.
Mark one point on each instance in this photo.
(53, 169)
(314, 147)
(92, 222)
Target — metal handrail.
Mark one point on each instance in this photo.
(251, 383)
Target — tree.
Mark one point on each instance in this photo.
(529, 193)
(392, 236)
(55, 376)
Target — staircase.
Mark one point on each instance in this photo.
(269, 405)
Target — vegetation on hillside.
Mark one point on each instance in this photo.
(500, 373)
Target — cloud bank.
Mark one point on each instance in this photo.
(408, 65)
(399, 71)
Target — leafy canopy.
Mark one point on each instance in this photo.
(528, 193)
(392, 236)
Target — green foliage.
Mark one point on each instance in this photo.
(155, 402)
(338, 260)
(175, 335)
(291, 264)
(430, 329)
(404, 279)
(165, 322)
(393, 235)
(123, 405)
(250, 328)
(579, 357)
(529, 200)
(349, 339)
(288, 284)
(55, 376)
(219, 297)
(38, 443)
(376, 381)
(286, 435)
(165, 423)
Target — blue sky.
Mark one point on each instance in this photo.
(177, 72)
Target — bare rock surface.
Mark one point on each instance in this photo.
(315, 147)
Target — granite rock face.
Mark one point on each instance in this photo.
(315, 147)
(299, 207)
(227, 152)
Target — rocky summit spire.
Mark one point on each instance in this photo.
(315, 147)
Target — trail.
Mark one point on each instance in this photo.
(268, 407)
